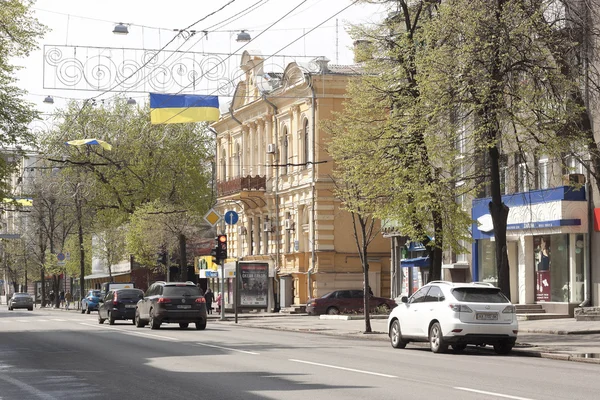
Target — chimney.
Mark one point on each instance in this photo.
(322, 63)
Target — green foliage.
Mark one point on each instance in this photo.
(19, 33)
(72, 266)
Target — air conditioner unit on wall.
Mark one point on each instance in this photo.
(288, 224)
(271, 148)
(242, 230)
(573, 179)
(267, 226)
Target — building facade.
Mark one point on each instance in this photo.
(273, 170)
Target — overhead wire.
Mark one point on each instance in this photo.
(206, 31)
(281, 49)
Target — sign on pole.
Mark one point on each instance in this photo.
(212, 217)
(231, 217)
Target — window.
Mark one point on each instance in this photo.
(574, 166)
(223, 165)
(251, 236)
(288, 235)
(306, 143)
(188, 290)
(238, 160)
(434, 294)
(522, 181)
(543, 178)
(479, 295)
(343, 294)
(419, 295)
(284, 157)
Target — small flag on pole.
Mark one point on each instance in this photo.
(82, 142)
(182, 108)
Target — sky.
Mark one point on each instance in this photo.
(82, 30)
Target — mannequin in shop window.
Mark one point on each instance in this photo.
(544, 264)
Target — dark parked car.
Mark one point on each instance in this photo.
(20, 300)
(119, 304)
(90, 301)
(346, 301)
(172, 302)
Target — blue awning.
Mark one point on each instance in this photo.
(415, 262)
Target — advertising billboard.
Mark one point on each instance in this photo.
(254, 285)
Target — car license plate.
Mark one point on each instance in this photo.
(129, 305)
(184, 306)
(487, 316)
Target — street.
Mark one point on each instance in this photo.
(49, 354)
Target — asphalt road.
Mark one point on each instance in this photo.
(57, 355)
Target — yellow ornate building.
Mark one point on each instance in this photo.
(273, 169)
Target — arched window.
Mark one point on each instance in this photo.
(306, 143)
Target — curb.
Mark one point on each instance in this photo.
(561, 332)
(350, 317)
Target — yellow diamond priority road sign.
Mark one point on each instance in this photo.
(212, 217)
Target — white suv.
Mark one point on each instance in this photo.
(457, 314)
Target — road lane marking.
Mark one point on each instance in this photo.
(130, 332)
(506, 396)
(343, 368)
(27, 388)
(59, 320)
(228, 348)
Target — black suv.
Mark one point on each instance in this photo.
(171, 302)
(119, 304)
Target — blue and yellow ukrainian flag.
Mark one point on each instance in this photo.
(181, 108)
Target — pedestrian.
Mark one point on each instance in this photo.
(218, 301)
(62, 298)
(68, 299)
(51, 299)
(209, 296)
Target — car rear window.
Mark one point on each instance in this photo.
(130, 294)
(181, 291)
(479, 295)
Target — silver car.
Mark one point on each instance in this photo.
(20, 300)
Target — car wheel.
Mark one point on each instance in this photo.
(459, 348)
(201, 325)
(100, 320)
(111, 318)
(154, 323)
(503, 347)
(183, 325)
(30, 308)
(333, 311)
(436, 339)
(137, 321)
(396, 336)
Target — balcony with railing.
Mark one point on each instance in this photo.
(240, 184)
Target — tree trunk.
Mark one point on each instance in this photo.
(43, 289)
(182, 258)
(499, 213)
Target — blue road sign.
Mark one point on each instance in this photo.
(231, 217)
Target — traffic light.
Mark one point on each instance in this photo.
(221, 249)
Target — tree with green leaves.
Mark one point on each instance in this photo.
(381, 143)
(492, 63)
(139, 165)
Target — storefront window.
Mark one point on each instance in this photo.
(487, 262)
(579, 268)
(551, 257)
